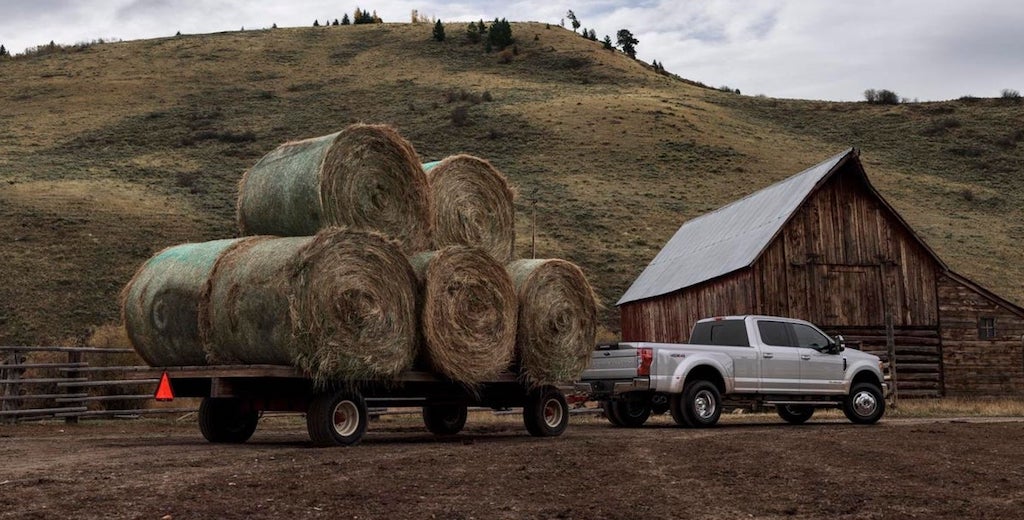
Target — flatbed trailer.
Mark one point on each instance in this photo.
(234, 397)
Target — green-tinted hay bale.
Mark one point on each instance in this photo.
(473, 206)
(467, 314)
(557, 320)
(340, 305)
(364, 177)
(160, 304)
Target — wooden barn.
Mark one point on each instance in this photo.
(823, 245)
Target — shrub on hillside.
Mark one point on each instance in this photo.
(881, 97)
(460, 115)
(1010, 94)
(439, 31)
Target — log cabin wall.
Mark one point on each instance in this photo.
(982, 336)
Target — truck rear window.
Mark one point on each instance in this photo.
(731, 333)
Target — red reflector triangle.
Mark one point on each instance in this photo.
(163, 391)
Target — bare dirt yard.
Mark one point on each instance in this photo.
(747, 467)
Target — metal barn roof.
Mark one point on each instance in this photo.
(729, 238)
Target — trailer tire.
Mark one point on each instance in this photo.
(865, 404)
(226, 420)
(631, 412)
(698, 406)
(795, 413)
(445, 419)
(545, 414)
(337, 418)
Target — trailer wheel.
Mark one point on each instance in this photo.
(546, 414)
(631, 412)
(445, 419)
(226, 420)
(336, 418)
(699, 406)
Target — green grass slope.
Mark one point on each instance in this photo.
(112, 153)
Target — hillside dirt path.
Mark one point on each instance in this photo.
(745, 468)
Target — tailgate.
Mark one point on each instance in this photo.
(611, 363)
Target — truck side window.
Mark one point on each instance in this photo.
(807, 337)
(730, 333)
(774, 333)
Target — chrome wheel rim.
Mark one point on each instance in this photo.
(704, 404)
(346, 418)
(552, 413)
(864, 403)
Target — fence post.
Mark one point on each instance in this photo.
(890, 344)
(74, 356)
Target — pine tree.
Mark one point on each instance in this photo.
(3, 52)
(627, 42)
(345, 20)
(500, 34)
(482, 26)
(316, 23)
(335, 22)
(473, 33)
(592, 36)
(439, 31)
(274, 26)
(572, 18)
(608, 42)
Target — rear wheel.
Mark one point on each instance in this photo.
(659, 404)
(546, 414)
(698, 406)
(336, 418)
(631, 412)
(795, 413)
(610, 414)
(445, 419)
(226, 420)
(865, 405)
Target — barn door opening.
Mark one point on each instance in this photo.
(846, 295)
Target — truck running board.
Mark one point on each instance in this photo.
(815, 403)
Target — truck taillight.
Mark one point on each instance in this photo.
(643, 361)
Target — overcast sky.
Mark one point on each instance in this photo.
(811, 49)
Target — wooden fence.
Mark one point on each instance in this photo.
(66, 383)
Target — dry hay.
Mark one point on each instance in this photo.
(364, 177)
(473, 206)
(159, 305)
(340, 305)
(557, 320)
(468, 314)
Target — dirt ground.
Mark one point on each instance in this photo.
(747, 467)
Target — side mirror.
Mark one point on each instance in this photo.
(838, 344)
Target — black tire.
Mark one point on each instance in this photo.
(631, 412)
(610, 414)
(226, 420)
(699, 406)
(795, 413)
(336, 418)
(545, 414)
(865, 404)
(445, 419)
(659, 404)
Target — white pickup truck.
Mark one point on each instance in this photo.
(737, 361)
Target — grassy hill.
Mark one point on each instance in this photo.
(112, 152)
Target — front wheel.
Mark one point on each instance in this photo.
(546, 414)
(631, 412)
(865, 405)
(226, 420)
(442, 419)
(336, 418)
(795, 413)
(698, 406)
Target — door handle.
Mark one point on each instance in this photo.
(805, 356)
(768, 355)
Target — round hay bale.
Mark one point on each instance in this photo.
(340, 305)
(467, 314)
(557, 320)
(160, 304)
(473, 206)
(364, 177)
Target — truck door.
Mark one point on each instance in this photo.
(820, 372)
(780, 359)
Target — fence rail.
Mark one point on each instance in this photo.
(33, 389)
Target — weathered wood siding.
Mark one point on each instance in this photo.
(976, 366)
(670, 317)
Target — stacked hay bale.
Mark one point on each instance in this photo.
(362, 264)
